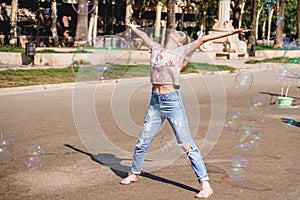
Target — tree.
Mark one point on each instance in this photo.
(13, 23)
(237, 7)
(298, 19)
(260, 8)
(81, 35)
(129, 10)
(171, 22)
(269, 6)
(54, 22)
(252, 38)
(280, 23)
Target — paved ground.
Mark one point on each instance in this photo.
(43, 115)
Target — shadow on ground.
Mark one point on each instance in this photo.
(120, 170)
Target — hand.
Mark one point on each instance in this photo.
(239, 31)
(131, 25)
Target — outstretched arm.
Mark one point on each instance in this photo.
(140, 33)
(198, 42)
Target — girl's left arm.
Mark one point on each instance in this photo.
(198, 42)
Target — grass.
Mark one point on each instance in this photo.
(294, 60)
(23, 77)
(17, 78)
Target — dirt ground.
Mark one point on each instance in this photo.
(69, 171)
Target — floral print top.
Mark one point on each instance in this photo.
(167, 64)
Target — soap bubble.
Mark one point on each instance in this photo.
(168, 144)
(257, 103)
(232, 121)
(239, 161)
(237, 174)
(289, 122)
(245, 130)
(280, 20)
(248, 144)
(291, 70)
(32, 156)
(84, 7)
(243, 81)
(6, 146)
(264, 67)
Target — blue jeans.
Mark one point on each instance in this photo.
(168, 106)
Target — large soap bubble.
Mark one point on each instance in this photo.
(243, 81)
(6, 146)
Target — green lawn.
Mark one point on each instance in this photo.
(24, 77)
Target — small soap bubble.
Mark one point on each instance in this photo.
(32, 156)
(167, 143)
(282, 76)
(245, 130)
(280, 20)
(248, 145)
(257, 104)
(232, 121)
(6, 146)
(289, 122)
(237, 174)
(84, 7)
(264, 67)
(243, 81)
(239, 161)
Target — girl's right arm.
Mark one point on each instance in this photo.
(140, 33)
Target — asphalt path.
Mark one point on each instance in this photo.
(76, 165)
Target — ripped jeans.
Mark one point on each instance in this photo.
(168, 106)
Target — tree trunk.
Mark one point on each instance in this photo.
(158, 19)
(129, 10)
(13, 23)
(82, 23)
(95, 21)
(171, 23)
(158, 14)
(264, 30)
(280, 23)
(270, 14)
(242, 5)
(257, 20)
(90, 29)
(53, 23)
(252, 38)
(238, 11)
(298, 19)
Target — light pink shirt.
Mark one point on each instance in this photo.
(165, 65)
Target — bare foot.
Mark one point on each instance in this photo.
(132, 178)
